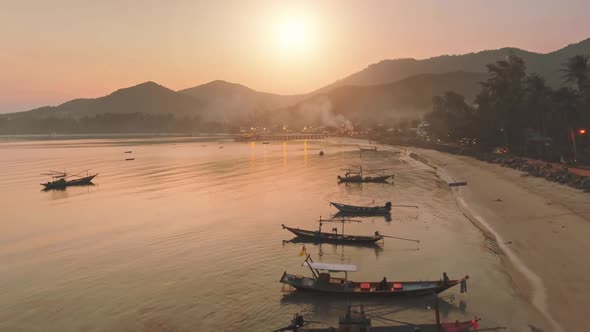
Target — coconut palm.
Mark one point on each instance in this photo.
(577, 71)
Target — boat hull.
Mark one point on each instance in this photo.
(62, 184)
(360, 179)
(333, 238)
(345, 287)
(362, 210)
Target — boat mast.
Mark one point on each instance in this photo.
(342, 221)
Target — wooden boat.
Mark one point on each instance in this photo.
(323, 282)
(63, 179)
(372, 148)
(355, 175)
(320, 236)
(363, 210)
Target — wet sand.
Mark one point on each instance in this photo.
(541, 227)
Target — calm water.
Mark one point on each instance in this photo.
(187, 237)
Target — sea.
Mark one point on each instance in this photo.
(187, 236)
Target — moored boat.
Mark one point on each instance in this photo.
(356, 175)
(62, 180)
(363, 210)
(360, 179)
(323, 282)
(372, 148)
(334, 237)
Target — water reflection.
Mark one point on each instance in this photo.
(209, 224)
(334, 248)
(252, 151)
(341, 214)
(284, 154)
(305, 153)
(325, 308)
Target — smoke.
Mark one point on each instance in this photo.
(320, 111)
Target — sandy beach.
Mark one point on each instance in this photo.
(541, 229)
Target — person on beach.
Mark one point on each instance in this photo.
(298, 321)
(383, 285)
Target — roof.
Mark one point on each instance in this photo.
(332, 267)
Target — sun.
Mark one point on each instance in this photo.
(294, 34)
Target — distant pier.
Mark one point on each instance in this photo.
(286, 137)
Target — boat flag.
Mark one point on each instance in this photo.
(303, 251)
(475, 324)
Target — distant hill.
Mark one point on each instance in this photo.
(148, 97)
(387, 71)
(407, 98)
(144, 108)
(226, 102)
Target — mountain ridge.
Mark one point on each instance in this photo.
(391, 70)
(386, 89)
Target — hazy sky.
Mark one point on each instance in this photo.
(53, 51)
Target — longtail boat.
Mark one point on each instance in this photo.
(319, 236)
(356, 175)
(363, 210)
(322, 281)
(63, 179)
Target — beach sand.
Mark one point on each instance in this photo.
(542, 228)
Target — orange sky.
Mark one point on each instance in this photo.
(53, 51)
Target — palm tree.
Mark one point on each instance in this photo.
(577, 71)
(536, 102)
(503, 92)
(565, 117)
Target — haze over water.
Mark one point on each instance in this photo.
(187, 237)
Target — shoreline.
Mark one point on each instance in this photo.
(518, 212)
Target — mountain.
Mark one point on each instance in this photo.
(148, 98)
(372, 104)
(226, 102)
(387, 71)
(144, 108)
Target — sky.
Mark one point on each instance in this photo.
(55, 51)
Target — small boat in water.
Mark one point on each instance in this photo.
(355, 175)
(363, 210)
(62, 180)
(372, 148)
(319, 236)
(323, 282)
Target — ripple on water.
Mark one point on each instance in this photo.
(187, 237)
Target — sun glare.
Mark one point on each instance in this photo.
(294, 34)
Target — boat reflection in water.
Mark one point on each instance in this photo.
(362, 317)
(340, 214)
(322, 246)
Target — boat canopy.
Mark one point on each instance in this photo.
(331, 267)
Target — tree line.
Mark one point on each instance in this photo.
(110, 123)
(520, 112)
